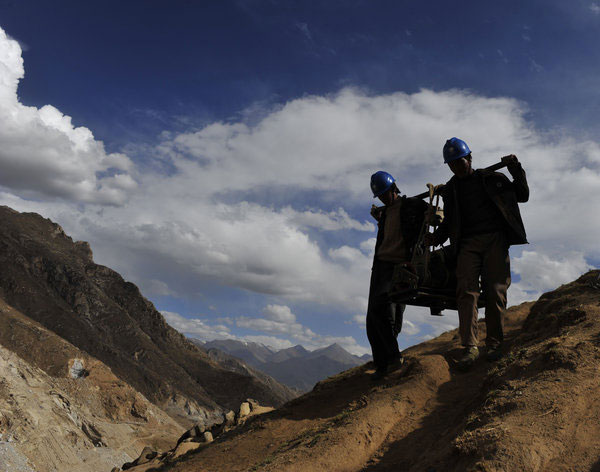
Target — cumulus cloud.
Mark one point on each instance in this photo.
(43, 155)
(278, 205)
(196, 327)
(280, 320)
(540, 273)
(331, 221)
(360, 320)
(279, 313)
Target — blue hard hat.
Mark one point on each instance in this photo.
(455, 149)
(381, 182)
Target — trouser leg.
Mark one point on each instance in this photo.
(468, 268)
(496, 280)
(381, 316)
(398, 318)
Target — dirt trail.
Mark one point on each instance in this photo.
(537, 409)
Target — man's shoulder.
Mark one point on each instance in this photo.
(412, 202)
(491, 174)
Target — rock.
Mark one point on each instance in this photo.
(253, 404)
(244, 410)
(85, 250)
(192, 433)
(208, 437)
(230, 417)
(146, 456)
(217, 429)
(184, 448)
(77, 369)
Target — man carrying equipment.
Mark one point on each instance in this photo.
(482, 219)
(399, 222)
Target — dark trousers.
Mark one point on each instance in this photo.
(484, 255)
(384, 319)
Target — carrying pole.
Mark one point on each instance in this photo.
(439, 188)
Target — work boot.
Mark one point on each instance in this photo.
(380, 373)
(469, 356)
(396, 363)
(494, 353)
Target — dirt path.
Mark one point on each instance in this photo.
(422, 442)
(536, 410)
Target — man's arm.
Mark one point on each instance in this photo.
(439, 236)
(520, 179)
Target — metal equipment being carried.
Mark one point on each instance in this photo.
(429, 279)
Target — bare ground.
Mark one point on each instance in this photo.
(537, 409)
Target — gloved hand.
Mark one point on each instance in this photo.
(376, 212)
(512, 163)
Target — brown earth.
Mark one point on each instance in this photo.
(54, 281)
(537, 409)
(62, 410)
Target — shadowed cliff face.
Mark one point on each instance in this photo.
(537, 409)
(54, 281)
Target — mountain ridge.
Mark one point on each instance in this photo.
(295, 366)
(54, 281)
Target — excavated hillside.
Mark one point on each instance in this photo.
(537, 409)
(64, 411)
(54, 281)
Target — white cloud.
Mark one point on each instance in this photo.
(279, 205)
(43, 155)
(269, 341)
(331, 221)
(197, 328)
(368, 247)
(360, 320)
(539, 272)
(279, 313)
(280, 320)
(205, 330)
(595, 8)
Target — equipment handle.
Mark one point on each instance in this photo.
(496, 166)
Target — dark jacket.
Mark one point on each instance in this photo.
(412, 214)
(505, 195)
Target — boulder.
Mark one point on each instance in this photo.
(244, 410)
(184, 448)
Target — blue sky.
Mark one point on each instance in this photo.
(218, 153)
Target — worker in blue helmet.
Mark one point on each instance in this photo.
(482, 219)
(399, 221)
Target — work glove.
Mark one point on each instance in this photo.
(512, 163)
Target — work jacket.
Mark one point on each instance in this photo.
(412, 214)
(503, 193)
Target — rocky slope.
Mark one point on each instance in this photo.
(62, 410)
(55, 282)
(537, 409)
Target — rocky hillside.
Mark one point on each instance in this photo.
(537, 409)
(62, 410)
(295, 367)
(55, 282)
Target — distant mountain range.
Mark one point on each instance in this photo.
(295, 367)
